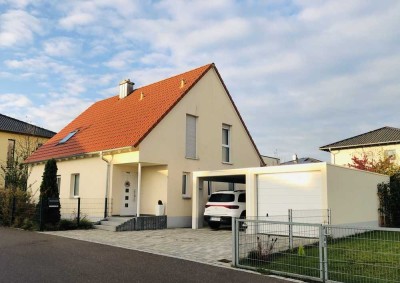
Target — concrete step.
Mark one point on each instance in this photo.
(111, 223)
(105, 227)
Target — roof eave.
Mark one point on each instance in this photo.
(328, 148)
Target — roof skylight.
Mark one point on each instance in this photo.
(67, 137)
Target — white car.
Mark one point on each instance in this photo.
(224, 205)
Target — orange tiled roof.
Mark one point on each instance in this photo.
(116, 123)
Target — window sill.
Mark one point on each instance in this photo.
(227, 163)
(192, 158)
(186, 197)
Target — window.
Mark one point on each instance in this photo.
(391, 154)
(58, 183)
(10, 153)
(222, 198)
(226, 143)
(67, 137)
(191, 132)
(242, 198)
(185, 185)
(209, 188)
(75, 185)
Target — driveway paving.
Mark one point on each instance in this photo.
(37, 257)
(202, 245)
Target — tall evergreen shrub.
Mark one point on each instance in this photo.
(49, 189)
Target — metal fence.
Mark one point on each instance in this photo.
(21, 212)
(325, 253)
(320, 216)
(93, 209)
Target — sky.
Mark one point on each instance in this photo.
(303, 73)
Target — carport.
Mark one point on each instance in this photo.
(351, 194)
(201, 183)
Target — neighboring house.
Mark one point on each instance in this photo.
(377, 144)
(270, 161)
(302, 160)
(142, 145)
(18, 139)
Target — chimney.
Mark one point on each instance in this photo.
(125, 88)
(295, 158)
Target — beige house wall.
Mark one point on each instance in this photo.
(352, 195)
(22, 143)
(343, 156)
(208, 101)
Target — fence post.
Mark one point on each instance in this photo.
(290, 214)
(329, 216)
(78, 217)
(105, 208)
(41, 212)
(325, 253)
(234, 241)
(321, 252)
(12, 211)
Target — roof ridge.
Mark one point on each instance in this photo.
(26, 123)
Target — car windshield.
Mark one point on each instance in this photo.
(222, 198)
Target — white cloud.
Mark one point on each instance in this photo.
(13, 100)
(18, 27)
(122, 60)
(61, 47)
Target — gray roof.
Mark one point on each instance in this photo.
(8, 124)
(381, 136)
(302, 160)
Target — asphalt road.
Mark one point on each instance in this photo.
(34, 257)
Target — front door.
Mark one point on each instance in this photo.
(129, 193)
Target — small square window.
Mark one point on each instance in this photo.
(126, 197)
(126, 190)
(185, 185)
(126, 205)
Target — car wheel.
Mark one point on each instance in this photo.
(214, 225)
(242, 225)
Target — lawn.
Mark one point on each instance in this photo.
(363, 258)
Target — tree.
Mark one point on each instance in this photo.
(384, 165)
(49, 189)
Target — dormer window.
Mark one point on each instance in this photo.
(67, 137)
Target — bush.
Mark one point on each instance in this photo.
(85, 224)
(389, 201)
(67, 224)
(23, 207)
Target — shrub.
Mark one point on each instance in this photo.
(67, 224)
(22, 203)
(85, 224)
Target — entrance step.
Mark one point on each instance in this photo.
(148, 222)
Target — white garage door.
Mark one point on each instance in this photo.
(279, 192)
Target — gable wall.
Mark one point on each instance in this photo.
(343, 156)
(166, 143)
(20, 142)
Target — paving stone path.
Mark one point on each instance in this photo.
(203, 245)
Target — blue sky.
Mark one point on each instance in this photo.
(303, 73)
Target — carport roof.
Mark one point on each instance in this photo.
(237, 179)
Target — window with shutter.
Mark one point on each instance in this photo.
(191, 136)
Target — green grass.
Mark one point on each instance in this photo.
(368, 258)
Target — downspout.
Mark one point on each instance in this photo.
(107, 183)
(139, 188)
